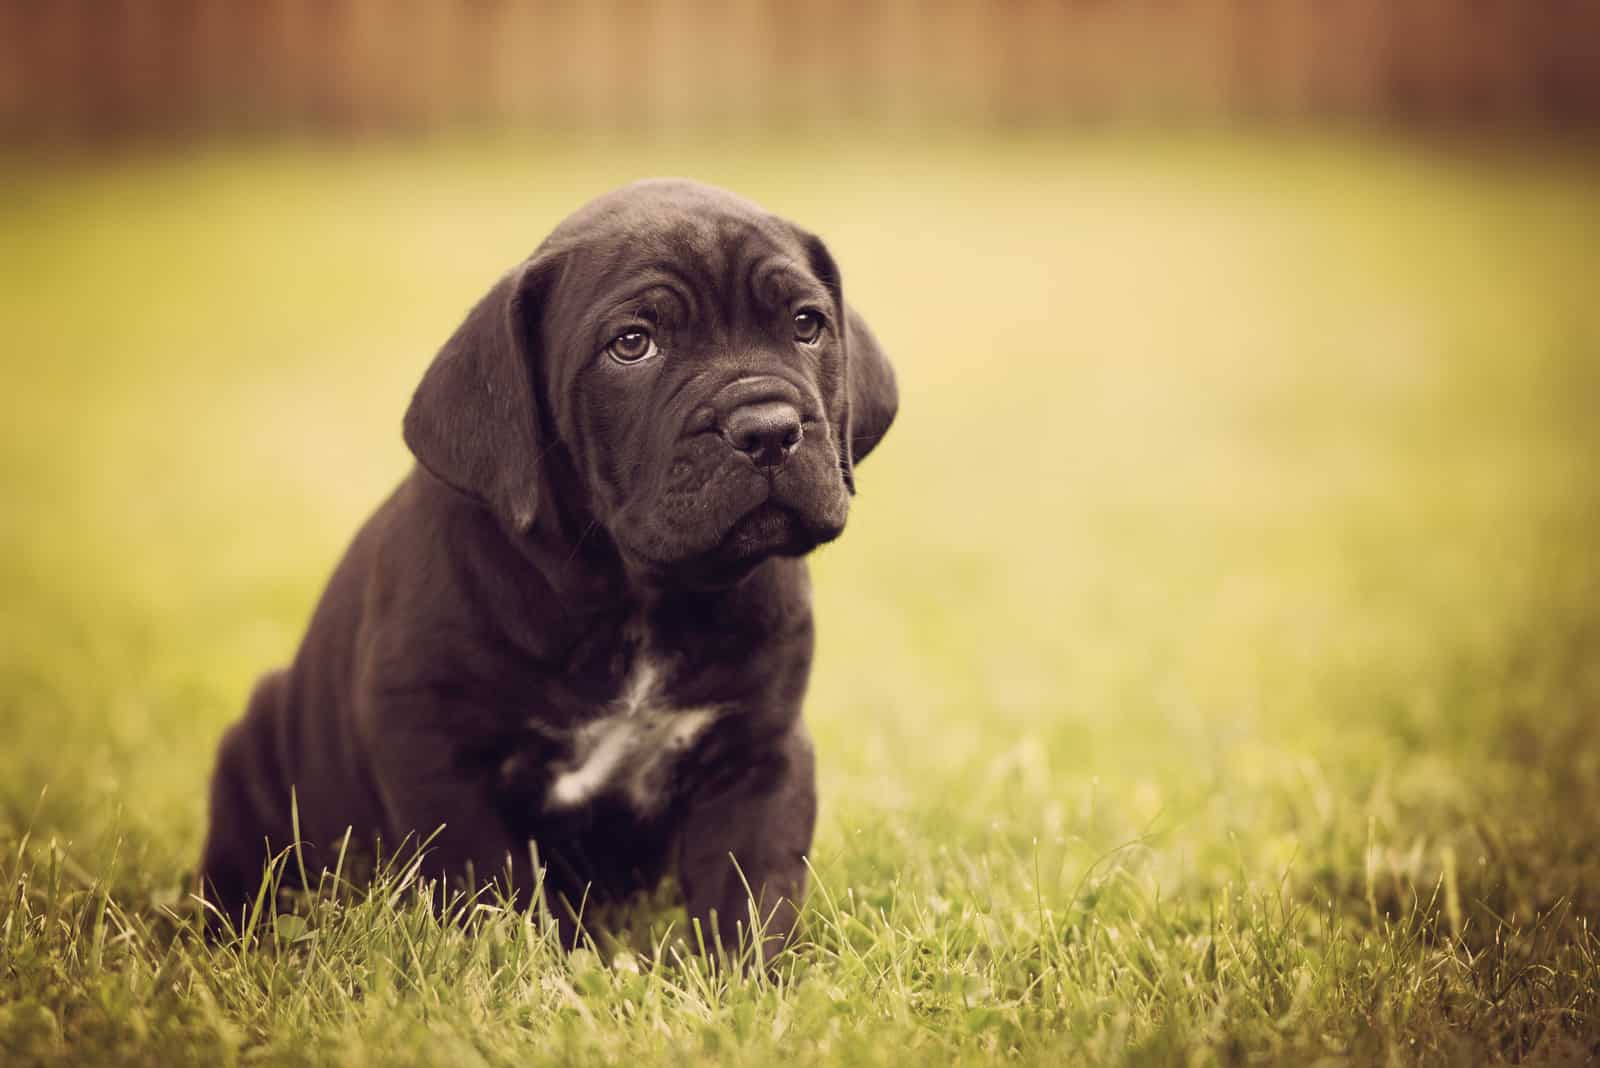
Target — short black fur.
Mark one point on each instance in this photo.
(579, 542)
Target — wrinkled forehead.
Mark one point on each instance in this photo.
(707, 245)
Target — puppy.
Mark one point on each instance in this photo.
(583, 621)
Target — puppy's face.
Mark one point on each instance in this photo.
(693, 358)
(701, 392)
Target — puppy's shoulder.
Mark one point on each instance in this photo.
(445, 588)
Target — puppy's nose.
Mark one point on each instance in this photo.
(767, 433)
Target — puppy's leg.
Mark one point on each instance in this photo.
(756, 822)
(434, 795)
(249, 804)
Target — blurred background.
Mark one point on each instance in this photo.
(1244, 490)
(75, 69)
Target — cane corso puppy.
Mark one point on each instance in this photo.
(583, 621)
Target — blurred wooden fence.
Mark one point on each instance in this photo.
(88, 68)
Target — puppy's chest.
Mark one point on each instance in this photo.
(632, 752)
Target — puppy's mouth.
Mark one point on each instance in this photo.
(768, 529)
(720, 516)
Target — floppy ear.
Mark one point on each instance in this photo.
(474, 419)
(874, 397)
(871, 397)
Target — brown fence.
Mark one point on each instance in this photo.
(86, 68)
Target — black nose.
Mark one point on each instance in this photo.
(767, 433)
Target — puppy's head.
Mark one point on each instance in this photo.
(690, 358)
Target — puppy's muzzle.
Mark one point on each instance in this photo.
(759, 417)
(768, 433)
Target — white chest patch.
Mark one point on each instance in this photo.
(632, 749)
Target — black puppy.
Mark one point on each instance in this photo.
(582, 620)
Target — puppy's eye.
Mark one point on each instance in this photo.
(807, 327)
(635, 346)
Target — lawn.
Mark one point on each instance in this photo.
(1210, 673)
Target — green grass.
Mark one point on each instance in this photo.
(1210, 674)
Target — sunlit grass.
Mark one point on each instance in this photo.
(1210, 671)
